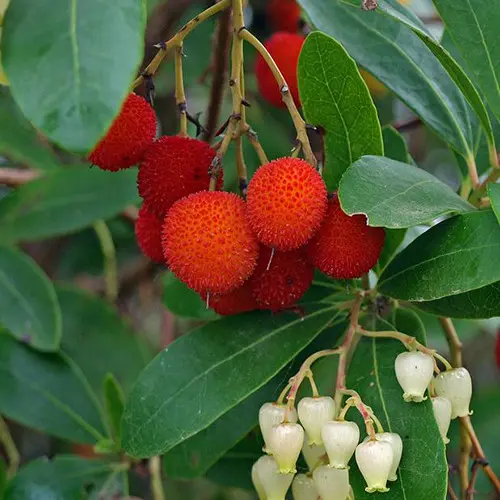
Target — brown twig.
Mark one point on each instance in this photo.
(219, 71)
(453, 341)
(451, 492)
(407, 125)
(14, 177)
(469, 492)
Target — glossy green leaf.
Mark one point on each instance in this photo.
(111, 345)
(494, 194)
(395, 145)
(228, 360)
(396, 195)
(474, 29)
(184, 302)
(458, 255)
(65, 201)
(47, 392)
(65, 477)
(402, 62)
(114, 404)
(18, 139)
(371, 373)
(28, 304)
(334, 95)
(70, 73)
(481, 303)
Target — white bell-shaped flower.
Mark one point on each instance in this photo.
(442, 413)
(340, 439)
(374, 459)
(271, 414)
(456, 386)
(285, 443)
(273, 484)
(313, 455)
(314, 413)
(414, 372)
(331, 483)
(257, 483)
(397, 449)
(303, 488)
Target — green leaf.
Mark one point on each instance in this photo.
(114, 404)
(110, 344)
(396, 195)
(47, 392)
(334, 95)
(403, 63)
(395, 145)
(453, 257)
(28, 304)
(18, 139)
(229, 359)
(494, 194)
(371, 373)
(184, 302)
(3, 478)
(65, 201)
(70, 71)
(65, 477)
(474, 29)
(482, 303)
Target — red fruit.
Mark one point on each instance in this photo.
(129, 136)
(207, 242)
(238, 301)
(288, 278)
(174, 167)
(345, 246)
(284, 15)
(286, 201)
(284, 49)
(148, 234)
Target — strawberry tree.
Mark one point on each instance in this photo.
(316, 266)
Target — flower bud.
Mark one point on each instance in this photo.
(271, 414)
(332, 484)
(340, 439)
(456, 386)
(257, 483)
(303, 488)
(273, 484)
(285, 443)
(414, 372)
(313, 414)
(442, 413)
(397, 449)
(313, 455)
(374, 459)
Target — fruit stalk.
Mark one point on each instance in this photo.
(180, 95)
(109, 253)
(10, 448)
(156, 482)
(299, 123)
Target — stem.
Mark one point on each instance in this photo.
(453, 341)
(365, 411)
(10, 448)
(242, 168)
(14, 177)
(299, 123)
(314, 387)
(283, 393)
(178, 38)
(470, 490)
(156, 482)
(180, 96)
(471, 166)
(478, 450)
(451, 492)
(493, 176)
(257, 146)
(216, 166)
(109, 254)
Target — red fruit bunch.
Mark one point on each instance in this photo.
(283, 15)
(285, 50)
(148, 234)
(126, 141)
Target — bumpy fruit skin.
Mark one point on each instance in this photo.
(345, 246)
(174, 167)
(288, 278)
(148, 229)
(287, 201)
(284, 49)
(238, 301)
(125, 143)
(207, 242)
(283, 15)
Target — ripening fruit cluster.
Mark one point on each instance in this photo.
(238, 255)
(327, 444)
(452, 388)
